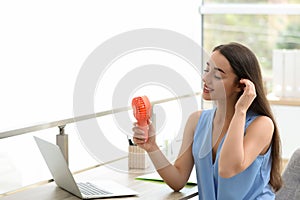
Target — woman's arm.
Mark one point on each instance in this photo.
(239, 150)
(177, 175)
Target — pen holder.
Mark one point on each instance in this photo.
(137, 158)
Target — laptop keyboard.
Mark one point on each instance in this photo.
(90, 189)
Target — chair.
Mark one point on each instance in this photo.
(291, 179)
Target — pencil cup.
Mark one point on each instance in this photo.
(137, 158)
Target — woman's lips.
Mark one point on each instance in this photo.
(207, 89)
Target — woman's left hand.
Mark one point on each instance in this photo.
(247, 97)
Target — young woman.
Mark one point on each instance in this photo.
(235, 146)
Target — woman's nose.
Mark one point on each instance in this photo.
(205, 77)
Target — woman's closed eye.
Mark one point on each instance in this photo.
(218, 77)
(206, 70)
(215, 74)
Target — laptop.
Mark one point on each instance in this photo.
(64, 178)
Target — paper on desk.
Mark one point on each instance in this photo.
(156, 177)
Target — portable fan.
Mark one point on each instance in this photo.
(142, 112)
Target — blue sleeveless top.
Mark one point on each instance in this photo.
(252, 183)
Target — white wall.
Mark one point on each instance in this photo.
(44, 44)
(288, 124)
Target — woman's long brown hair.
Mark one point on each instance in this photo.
(245, 65)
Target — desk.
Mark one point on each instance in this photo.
(147, 189)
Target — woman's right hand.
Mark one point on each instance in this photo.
(139, 138)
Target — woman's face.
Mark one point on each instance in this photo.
(220, 82)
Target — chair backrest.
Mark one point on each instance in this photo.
(291, 179)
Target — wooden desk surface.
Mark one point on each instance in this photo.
(147, 189)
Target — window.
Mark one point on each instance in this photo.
(264, 26)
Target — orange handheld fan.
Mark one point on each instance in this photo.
(142, 112)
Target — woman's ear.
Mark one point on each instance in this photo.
(239, 86)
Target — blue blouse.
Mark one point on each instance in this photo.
(252, 183)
